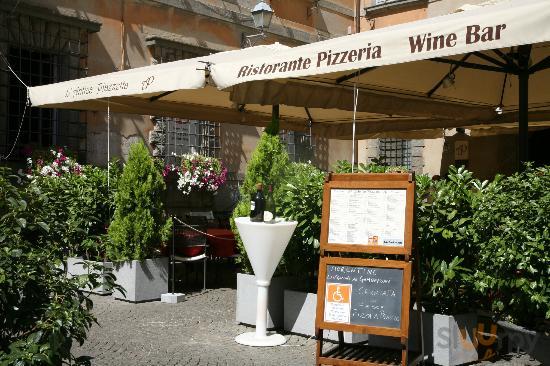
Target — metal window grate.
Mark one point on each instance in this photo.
(300, 145)
(183, 136)
(395, 152)
(40, 51)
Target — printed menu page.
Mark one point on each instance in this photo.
(367, 216)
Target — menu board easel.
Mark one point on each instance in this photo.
(366, 214)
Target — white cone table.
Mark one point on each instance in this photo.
(265, 245)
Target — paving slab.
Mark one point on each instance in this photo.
(198, 331)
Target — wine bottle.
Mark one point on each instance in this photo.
(257, 205)
(270, 209)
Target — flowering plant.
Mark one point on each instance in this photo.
(56, 164)
(198, 172)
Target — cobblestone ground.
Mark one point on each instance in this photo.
(199, 331)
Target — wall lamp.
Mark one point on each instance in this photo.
(261, 15)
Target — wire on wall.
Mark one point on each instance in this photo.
(27, 103)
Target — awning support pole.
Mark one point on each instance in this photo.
(524, 53)
(273, 127)
(523, 134)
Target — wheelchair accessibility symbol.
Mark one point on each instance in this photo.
(338, 303)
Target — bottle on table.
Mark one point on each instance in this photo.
(257, 205)
(270, 209)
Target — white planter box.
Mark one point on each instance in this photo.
(143, 280)
(299, 317)
(247, 293)
(75, 267)
(450, 340)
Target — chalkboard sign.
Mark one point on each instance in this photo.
(364, 295)
(368, 213)
(375, 295)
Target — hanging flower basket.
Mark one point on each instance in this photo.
(198, 173)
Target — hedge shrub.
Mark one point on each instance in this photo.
(139, 226)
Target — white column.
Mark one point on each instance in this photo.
(261, 310)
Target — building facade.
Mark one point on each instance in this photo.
(47, 41)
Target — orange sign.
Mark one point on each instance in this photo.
(338, 303)
(338, 293)
(373, 240)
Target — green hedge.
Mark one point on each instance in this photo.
(510, 228)
(79, 209)
(42, 312)
(483, 245)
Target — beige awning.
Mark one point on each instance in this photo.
(470, 68)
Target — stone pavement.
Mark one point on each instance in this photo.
(199, 331)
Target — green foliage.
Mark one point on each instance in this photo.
(376, 166)
(300, 199)
(511, 227)
(79, 208)
(267, 165)
(444, 215)
(41, 310)
(139, 225)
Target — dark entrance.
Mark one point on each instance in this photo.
(539, 151)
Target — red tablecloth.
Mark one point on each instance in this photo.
(220, 246)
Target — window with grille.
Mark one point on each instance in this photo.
(300, 146)
(395, 152)
(182, 136)
(40, 52)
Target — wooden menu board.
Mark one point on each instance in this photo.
(364, 296)
(369, 213)
(373, 214)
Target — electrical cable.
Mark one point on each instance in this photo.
(13, 72)
(27, 103)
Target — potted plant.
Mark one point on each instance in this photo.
(198, 177)
(80, 201)
(267, 165)
(139, 228)
(448, 255)
(510, 226)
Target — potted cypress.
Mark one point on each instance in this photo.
(139, 228)
(267, 165)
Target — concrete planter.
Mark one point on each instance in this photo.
(75, 267)
(143, 280)
(535, 344)
(449, 340)
(247, 293)
(299, 317)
